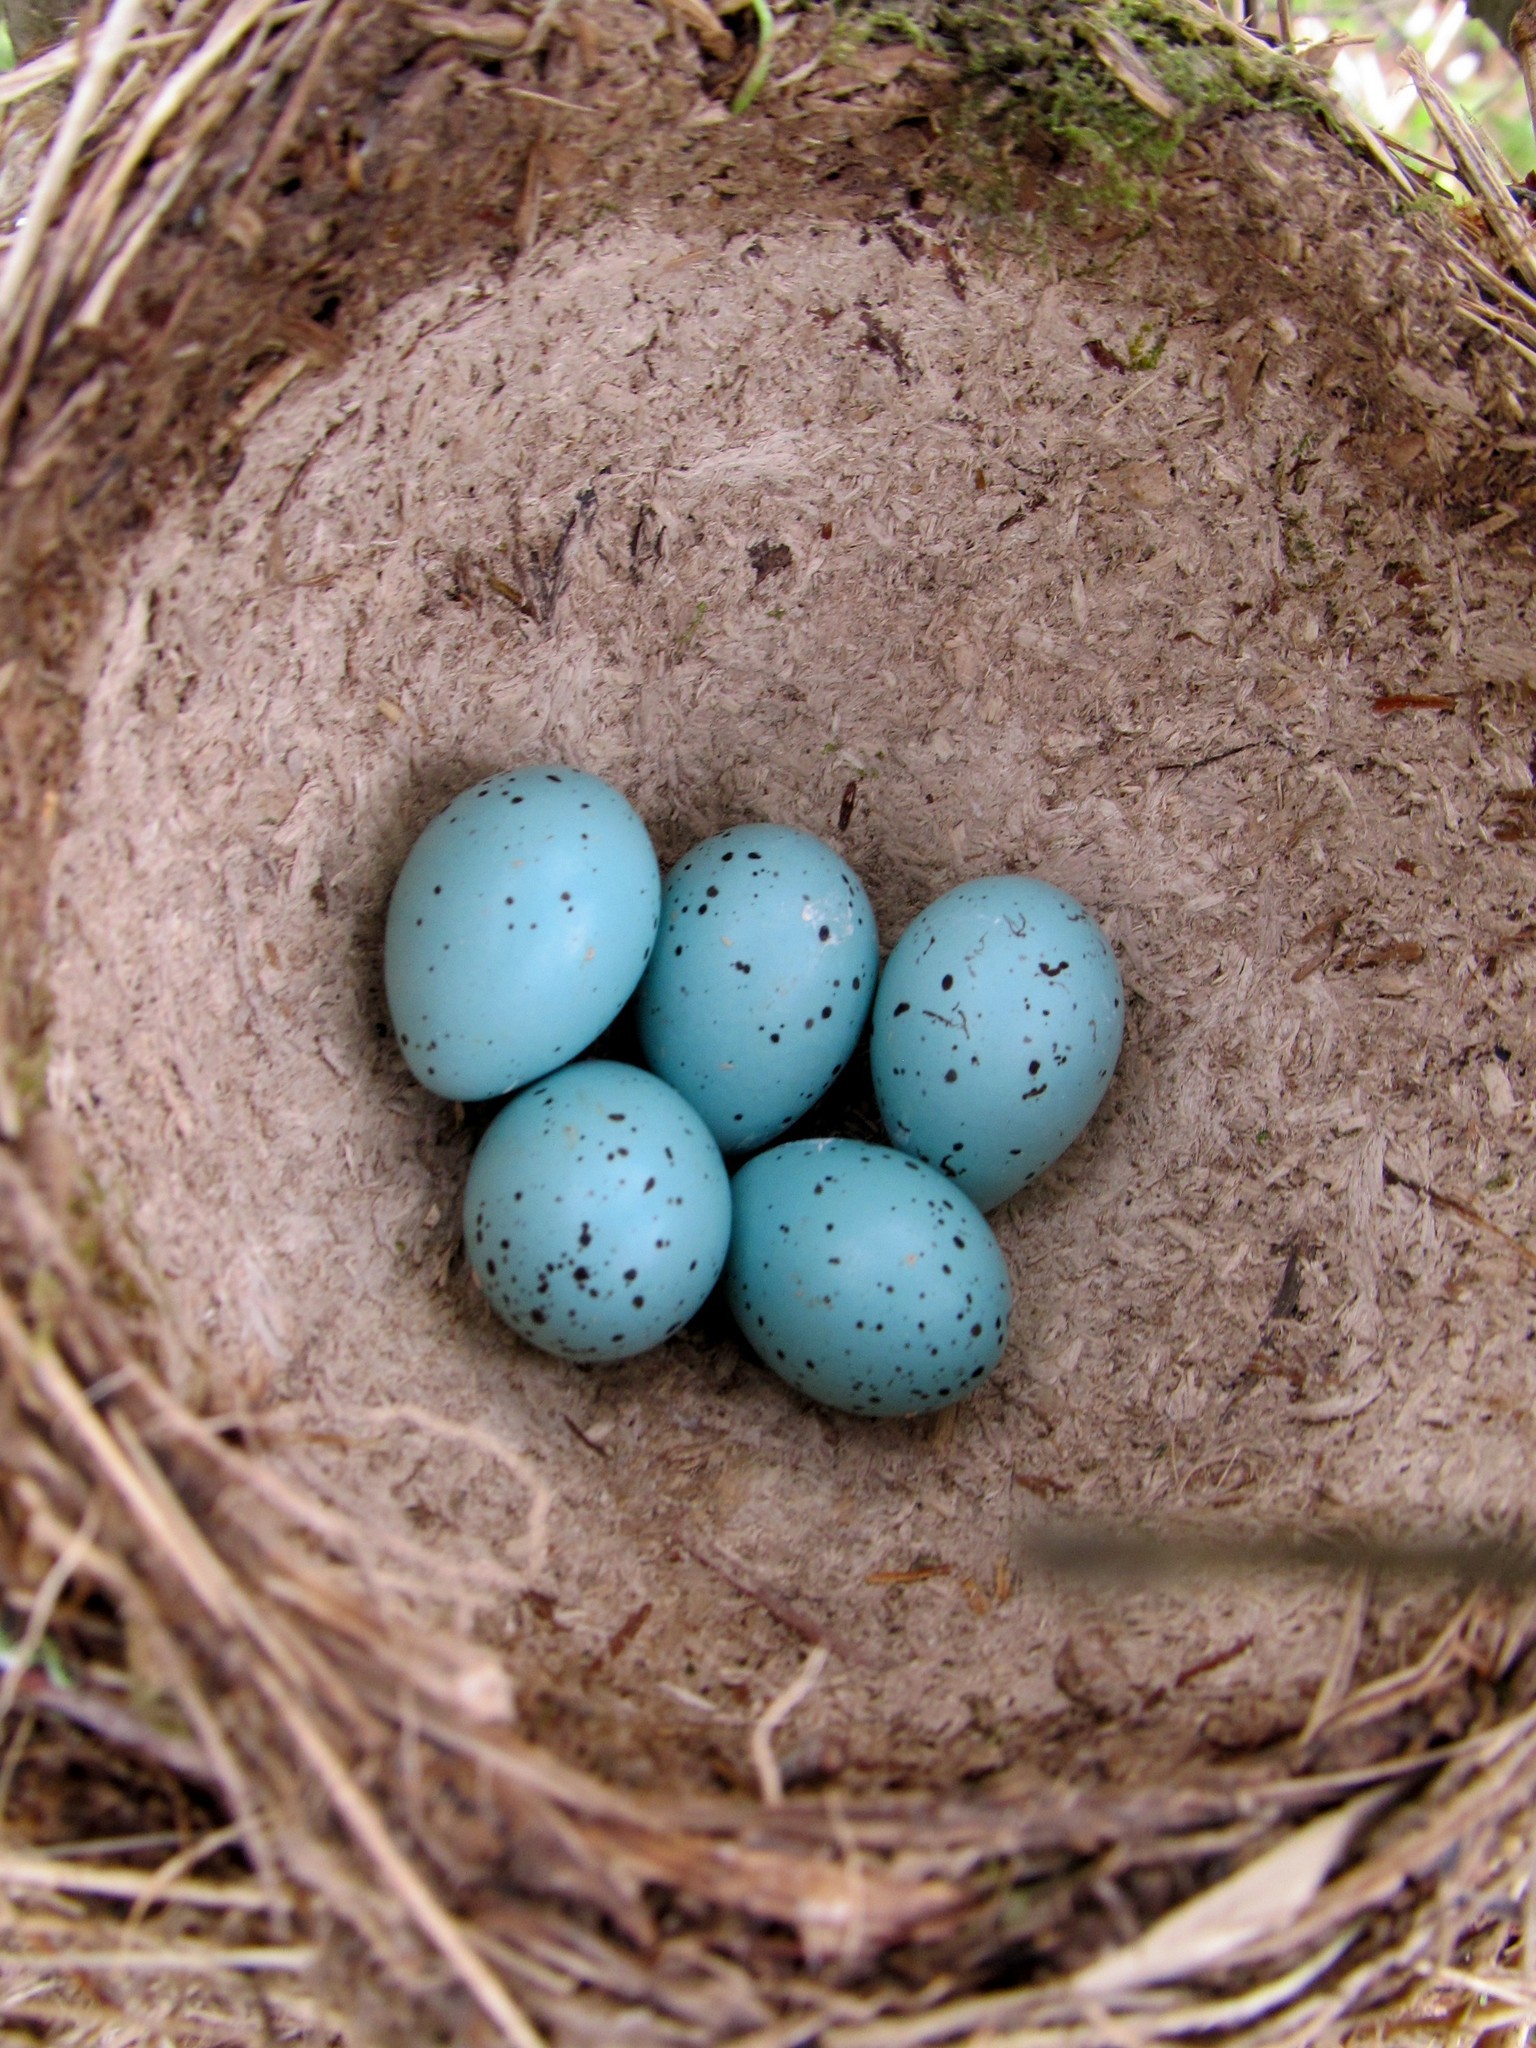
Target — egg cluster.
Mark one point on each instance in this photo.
(599, 1213)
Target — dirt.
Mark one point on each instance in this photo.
(1076, 569)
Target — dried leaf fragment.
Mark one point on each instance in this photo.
(1255, 1904)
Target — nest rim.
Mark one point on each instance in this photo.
(112, 1483)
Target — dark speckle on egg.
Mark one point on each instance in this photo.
(986, 952)
(515, 1003)
(851, 1315)
(749, 1007)
(651, 1281)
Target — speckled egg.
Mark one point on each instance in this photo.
(865, 1278)
(761, 980)
(521, 922)
(597, 1213)
(997, 1025)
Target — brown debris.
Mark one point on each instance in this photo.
(1214, 1661)
(1455, 1207)
(769, 558)
(882, 340)
(1409, 700)
(622, 1637)
(782, 1610)
(1105, 356)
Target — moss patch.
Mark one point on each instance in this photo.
(1037, 86)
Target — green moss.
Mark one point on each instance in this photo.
(47, 1301)
(1145, 350)
(896, 24)
(29, 1079)
(1439, 202)
(1035, 86)
(685, 638)
(1296, 540)
(47, 1658)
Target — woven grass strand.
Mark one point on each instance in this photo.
(645, 1838)
(1485, 177)
(90, 90)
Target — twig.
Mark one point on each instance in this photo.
(1374, 145)
(774, 1715)
(15, 1750)
(38, 72)
(532, 1771)
(1514, 1994)
(286, 125)
(1125, 63)
(50, 442)
(162, 188)
(543, 24)
(175, 1869)
(781, 1609)
(1483, 316)
(1523, 320)
(263, 1479)
(229, 31)
(1487, 180)
(366, 1825)
(550, 99)
(56, 1578)
(1495, 281)
(601, 1450)
(185, 1959)
(1464, 1210)
(1522, 40)
(26, 1871)
(118, 1725)
(1447, 1656)
(279, 1676)
(1346, 1654)
(49, 66)
(107, 47)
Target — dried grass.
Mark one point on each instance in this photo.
(368, 1769)
(301, 1717)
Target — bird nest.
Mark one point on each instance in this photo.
(993, 442)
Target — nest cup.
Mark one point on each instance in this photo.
(434, 393)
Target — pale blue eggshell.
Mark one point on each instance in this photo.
(597, 1212)
(996, 1029)
(761, 981)
(866, 1279)
(521, 922)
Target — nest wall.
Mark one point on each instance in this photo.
(1151, 552)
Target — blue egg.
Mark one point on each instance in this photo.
(866, 1279)
(597, 1213)
(762, 978)
(997, 1025)
(521, 922)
